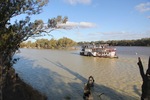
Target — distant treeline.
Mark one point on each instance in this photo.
(66, 43)
(49, 44)
(138, 42)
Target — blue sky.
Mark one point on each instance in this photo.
(96, 20)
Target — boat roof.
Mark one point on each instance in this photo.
(93, 44)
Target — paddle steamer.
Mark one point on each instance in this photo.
(100, 50)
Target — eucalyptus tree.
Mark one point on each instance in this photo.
(13, 34)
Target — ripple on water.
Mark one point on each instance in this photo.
(60, 74)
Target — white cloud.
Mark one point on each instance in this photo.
(148, 17)
(70, 25)
(86, 25)
(143, 7)
(74, 2)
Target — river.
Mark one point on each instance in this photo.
(61, 74)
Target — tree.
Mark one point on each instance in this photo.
(12, 34)
(52, 43)
(42, 42)
(65, 42)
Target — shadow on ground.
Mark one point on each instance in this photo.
(52, 84)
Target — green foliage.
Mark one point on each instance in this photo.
(50, 44)
(12, 34)
(139, 42)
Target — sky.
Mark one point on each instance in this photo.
(100, 20)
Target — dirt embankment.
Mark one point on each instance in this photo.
(13, 88)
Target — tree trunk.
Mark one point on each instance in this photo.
(1, 82)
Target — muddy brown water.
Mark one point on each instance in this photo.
(61, 74)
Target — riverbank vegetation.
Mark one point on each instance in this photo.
(65, 42)
(138, 42)
(49, 44)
